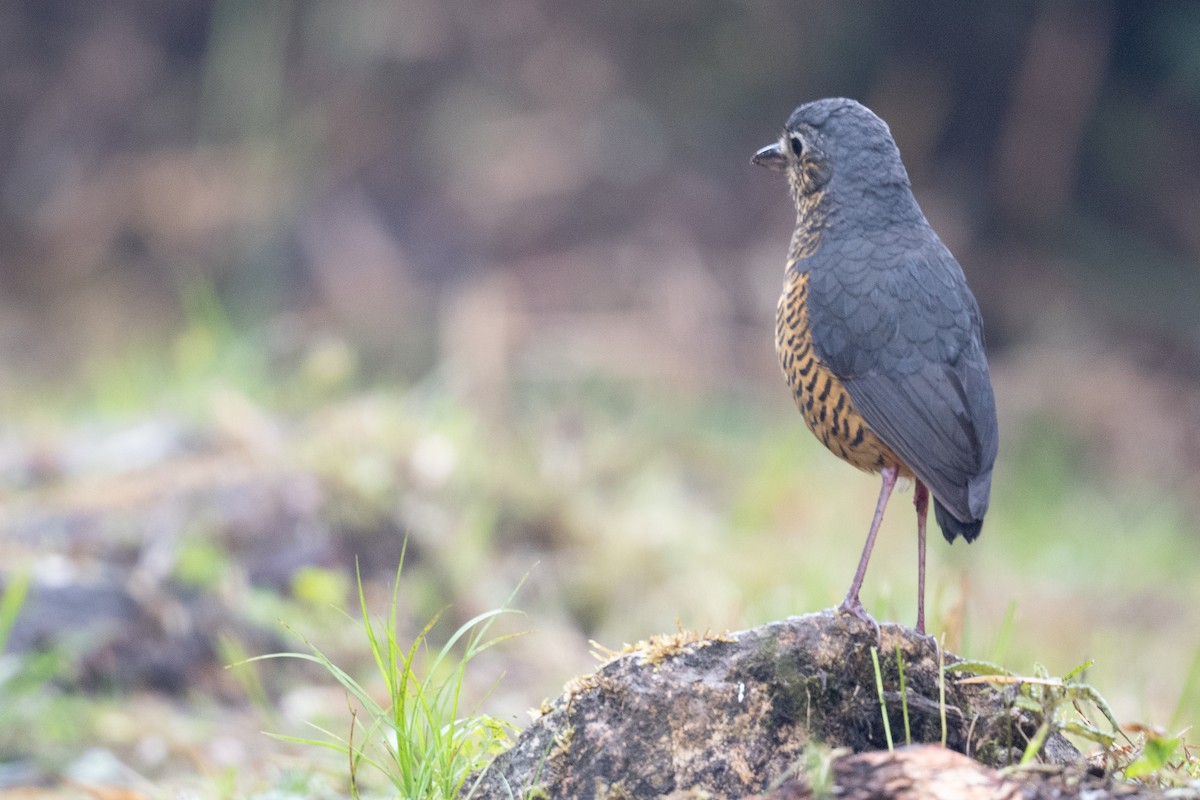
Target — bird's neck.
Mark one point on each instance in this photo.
(812, 213)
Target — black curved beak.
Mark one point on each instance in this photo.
(771, 157)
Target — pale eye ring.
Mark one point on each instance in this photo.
(796, 141)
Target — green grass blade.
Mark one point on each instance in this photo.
(11, 603)
(979, 668)
(1035, 744)
(1189, 695)
(942, 686)
(416, 739)
(903, 695)
(1004, 635)
(887, 725)
(1084, 666)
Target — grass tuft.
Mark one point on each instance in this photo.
(416, 739)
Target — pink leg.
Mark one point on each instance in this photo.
(921, 502)
(851, 605)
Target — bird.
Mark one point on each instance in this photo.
(879, 337)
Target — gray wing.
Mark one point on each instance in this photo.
(898, 325)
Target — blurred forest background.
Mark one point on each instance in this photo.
(284, 283)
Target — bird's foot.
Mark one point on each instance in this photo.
(927, 638)
(919, 630)
(854, 608)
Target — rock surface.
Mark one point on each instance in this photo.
(925, 772)
(733, 716)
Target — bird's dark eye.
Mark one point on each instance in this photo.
(797, 144)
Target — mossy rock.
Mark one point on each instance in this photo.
(730, 715)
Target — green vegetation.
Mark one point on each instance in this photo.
(1051, 700)
(416, 739)
(1163, 760)
(1063, 706)
(11, 600)
(31, 707)
(887, 725)
(629, 505)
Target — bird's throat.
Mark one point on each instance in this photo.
(810, 223)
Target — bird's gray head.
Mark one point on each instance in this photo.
(835, 139)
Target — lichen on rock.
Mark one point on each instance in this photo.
(733, 715)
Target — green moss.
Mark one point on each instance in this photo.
(615, 791)
(791, 688)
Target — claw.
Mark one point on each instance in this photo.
(852, 607)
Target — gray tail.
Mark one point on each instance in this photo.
(952, 527)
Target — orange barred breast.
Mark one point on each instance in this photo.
(822, 399)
